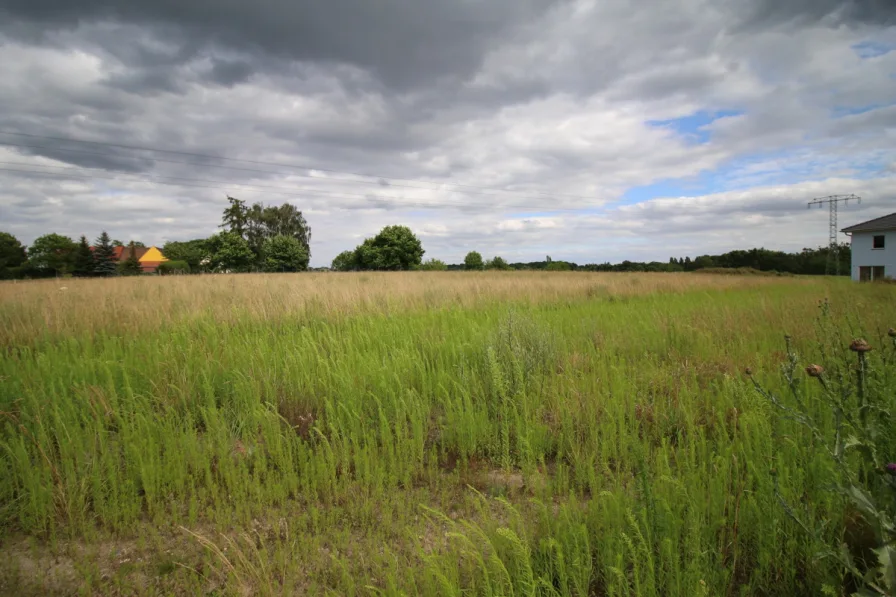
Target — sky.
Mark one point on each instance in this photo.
(589, 131)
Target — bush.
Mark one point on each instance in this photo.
(497, 263)
(739, 271)
(558, 266)
(433, 265)
(174, 267)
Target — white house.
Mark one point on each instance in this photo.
(873, 248)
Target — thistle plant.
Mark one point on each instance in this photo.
(857, 392)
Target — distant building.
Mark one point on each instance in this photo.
(149, 257)
(873, 246)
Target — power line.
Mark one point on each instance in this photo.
(833, 262)
(291, 191)
(472, 188)
(405, 202)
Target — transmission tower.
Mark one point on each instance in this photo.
(833, 262)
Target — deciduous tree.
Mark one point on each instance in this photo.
(344, 262)
(473, 261)
(192, 252)
(229, 252)
(258, 223)
(497, 263)
(51, 254)
(12, 256)
(394, 248)
(284, 253)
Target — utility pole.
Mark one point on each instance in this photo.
(833, 262)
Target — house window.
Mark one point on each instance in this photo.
(878, 242)
(871, 273)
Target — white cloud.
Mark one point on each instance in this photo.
(555, 109)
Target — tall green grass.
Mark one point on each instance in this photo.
(596, 444)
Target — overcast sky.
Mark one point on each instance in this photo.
(586, 130)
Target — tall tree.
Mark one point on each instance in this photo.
(286, 220)
(255, 230)
(284, 254)
(235, 217)
(12, 256)
(473, 261)
(104, 256)
(84, 264)
(51, 255)
(131, 265)
(258, 223)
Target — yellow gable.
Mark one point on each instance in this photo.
(153, 254)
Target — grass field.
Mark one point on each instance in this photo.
(418, 434)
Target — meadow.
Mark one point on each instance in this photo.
(495, 433)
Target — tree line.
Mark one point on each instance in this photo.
(277, 238)
(254, 238)
(57, 255)
(805, 262)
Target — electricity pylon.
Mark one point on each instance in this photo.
(833, 262)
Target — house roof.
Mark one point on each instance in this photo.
(882, 223)
(122, 253)
(152, 254)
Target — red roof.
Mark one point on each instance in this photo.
(123, 252)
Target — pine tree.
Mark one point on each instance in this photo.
(84, 263)
(131, 266)
(104, 257)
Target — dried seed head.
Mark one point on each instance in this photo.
(814, 370)
(891, 332)
(748, 371)
(859, 345)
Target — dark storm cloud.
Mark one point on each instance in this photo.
(834, 12)
(404, 42)
(157, 80)
(229, 72)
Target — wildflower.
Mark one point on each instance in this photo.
(859, 345)
(814, 370)
(891, 468)
(748, 371)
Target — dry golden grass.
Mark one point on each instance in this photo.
(129, 305)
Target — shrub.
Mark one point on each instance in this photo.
(558, 266)
(739, 271)
(497, 263)
(174, 267)
(433, 265)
